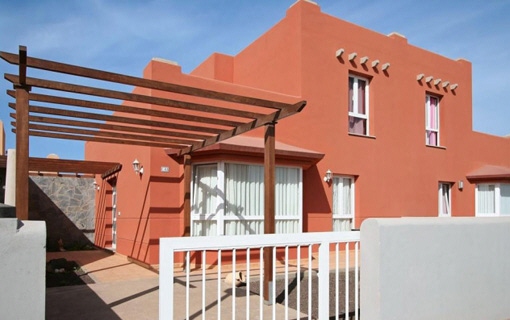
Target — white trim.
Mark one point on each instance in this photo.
(427, 113)
(352, 214)
(355, 112)
(440, 199)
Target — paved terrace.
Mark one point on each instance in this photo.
(125, 290)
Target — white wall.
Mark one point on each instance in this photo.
(435, 268)
(22, 269)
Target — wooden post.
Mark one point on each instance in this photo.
(22, 150)
(187, 195)
(269, 204)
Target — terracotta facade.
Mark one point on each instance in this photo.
(395, 172)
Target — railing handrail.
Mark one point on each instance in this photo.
(179, 244)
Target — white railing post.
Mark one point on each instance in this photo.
(166, 280)
(323, 275)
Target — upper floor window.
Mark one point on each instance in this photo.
(343, 203)
(445, 196)
(432, 120)
(493, 199)
(358, 105)
(228, 199)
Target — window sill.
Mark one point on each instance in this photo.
(435, 147)
(361, 135)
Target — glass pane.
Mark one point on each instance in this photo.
(342, 224)
(287, 191)
(287, 226)
(244, 227)
(505, 200)
(244, 190)
(486, 199)
(357, 125)
(361, 96)
(351, 95)
(204, 189)
(204, 228)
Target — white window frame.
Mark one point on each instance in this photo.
(344, 216)
(448, 187)
(355, 113)
(219, 216)
(429, 128)
(497, 200)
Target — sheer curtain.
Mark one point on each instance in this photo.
(244, 199)
(287, 200)
(432, 122)
(234, 203)
(204, 202)
(342, 204)
(486, 204)
(505, 199)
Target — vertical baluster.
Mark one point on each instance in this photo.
(310, 282)
(356, 280)
(234, 277)
(337, 280)
(298, 276)
(187, 283)
(273, 285)
(286, 282)
(247, 284)
(346, 278)
(219, 284)
(203, 284)
(261, 283)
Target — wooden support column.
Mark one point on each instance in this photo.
(187, 195)
(269, 204)
(22, 150)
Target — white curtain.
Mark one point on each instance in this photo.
(204, 202)
(505, 199)
(243, 200)
(486, 199)
(342, 204)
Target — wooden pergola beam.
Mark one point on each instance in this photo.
(127, 120)
(75, 166)
(140, 82)
(123, 96)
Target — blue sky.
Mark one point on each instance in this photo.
(122, 36)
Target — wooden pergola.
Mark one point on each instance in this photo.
(179, 125)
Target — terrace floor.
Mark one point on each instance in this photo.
(126, 290)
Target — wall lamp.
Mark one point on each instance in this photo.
(327, 177)
(137, 167)
(461, 185)
(95, 185)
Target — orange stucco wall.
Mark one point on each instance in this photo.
(396, 173)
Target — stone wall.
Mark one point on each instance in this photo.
(67, 206)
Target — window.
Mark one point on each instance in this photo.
(343, 203)
(444, 202)
(432, 120)
(228, 199)
(492, 199)
(358, 105)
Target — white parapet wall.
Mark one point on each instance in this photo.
(435, 268)
(22, 269)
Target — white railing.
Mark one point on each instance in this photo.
(190, 293)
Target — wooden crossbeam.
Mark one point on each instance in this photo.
(140, 82)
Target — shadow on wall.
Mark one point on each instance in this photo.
(68, 214)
